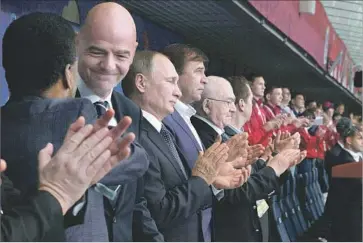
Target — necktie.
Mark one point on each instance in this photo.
(207, 213)
(167, 137)
(225, 137)
(101, 107)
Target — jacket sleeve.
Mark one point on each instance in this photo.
(32, 219)
(260, 185)
(144, 226)
(169, 205)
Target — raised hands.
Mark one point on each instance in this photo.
(84, 158)
(284, 141)
(209, 163)
(237, 146)
(120, 146)
(286, 159)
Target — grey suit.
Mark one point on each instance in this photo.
(29, 124)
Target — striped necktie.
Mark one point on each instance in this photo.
(101, 107)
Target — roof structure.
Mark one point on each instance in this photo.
(346, 17)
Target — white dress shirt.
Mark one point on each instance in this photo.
(87, 93)
(153, 120)
(186, 112)
(356, 156)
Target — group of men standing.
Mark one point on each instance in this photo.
(187, 178)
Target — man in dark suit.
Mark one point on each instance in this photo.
(62, 182)
(344, 203)
(214, 112)
(104, 58)
(177, 195)
(39, 111)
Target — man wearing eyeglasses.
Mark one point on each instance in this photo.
(216, 109)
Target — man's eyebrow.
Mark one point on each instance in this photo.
(95, 48)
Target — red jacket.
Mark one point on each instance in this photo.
(254, 127)
(309, 143)
(271, 112)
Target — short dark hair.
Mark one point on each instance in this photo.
(240, 87)
(297, 94)
(252, 77)
(309, 113)
(346, 128)
(308, 102)
(142, 63)
(180, 54)
(270, 89)
(37, 47)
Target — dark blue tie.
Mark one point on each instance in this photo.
(225, 137)
(167, 137)
(101, 107)
(207, 213)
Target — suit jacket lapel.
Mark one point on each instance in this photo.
(155, 137)
(178, 119)
(117, 107)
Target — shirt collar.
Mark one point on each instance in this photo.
(356, 156)
(215, 128)
(153, 120)
(184, 109)
(87, 93)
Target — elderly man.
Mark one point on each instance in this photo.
(106, 46)
(176, 194)
(214, 112)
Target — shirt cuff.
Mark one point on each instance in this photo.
(218, 193)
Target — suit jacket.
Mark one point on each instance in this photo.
(344, 204)
(128, 217)
(29, 219)
(28, 125)
(174, 201)
(330, 159)
(240, 201)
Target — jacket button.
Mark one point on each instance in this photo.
(254, 207)
(257, 230)
(114, 220)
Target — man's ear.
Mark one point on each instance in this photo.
(241, 105)
(268, 97)
(140, 82)
(205, 106)
(68, 81)
(349, 140)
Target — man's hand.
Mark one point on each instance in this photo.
(301, 122)
(254, 152)
(273, 124)
(84, 157)
(209, 163)
(2, 167)
(285, 159)
(285, 141)
(237, 146)
(270, 148)
(115, 133)
(232, 175)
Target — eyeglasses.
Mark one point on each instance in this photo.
(228, 102)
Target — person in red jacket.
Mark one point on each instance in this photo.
(258, 129)
(273, 110)
(309, 142)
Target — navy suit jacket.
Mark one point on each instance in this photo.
(174, 201)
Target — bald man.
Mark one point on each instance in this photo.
(106, 47)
